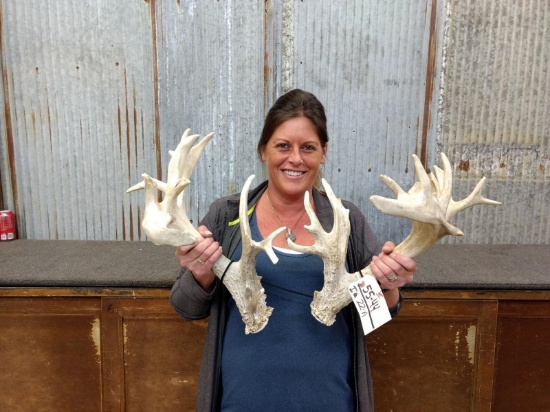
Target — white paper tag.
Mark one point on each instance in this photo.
(370, 303)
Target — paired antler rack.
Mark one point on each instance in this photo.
(428, 204)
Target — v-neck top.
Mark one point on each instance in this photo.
(295, 363)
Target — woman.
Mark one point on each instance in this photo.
(295, 363)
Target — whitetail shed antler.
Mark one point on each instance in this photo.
(428, 204)
(166, 223)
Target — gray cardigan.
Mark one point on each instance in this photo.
(192, 302)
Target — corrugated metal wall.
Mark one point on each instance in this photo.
(96, 93)
(495, 117)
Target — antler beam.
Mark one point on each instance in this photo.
(166, 223)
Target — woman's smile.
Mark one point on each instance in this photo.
(293, 173)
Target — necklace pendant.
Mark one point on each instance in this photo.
(291, 236)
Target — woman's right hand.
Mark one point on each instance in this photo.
(200, 257)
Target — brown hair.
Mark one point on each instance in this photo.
(295, 103)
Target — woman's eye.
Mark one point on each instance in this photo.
(282, 146)
(308, 148)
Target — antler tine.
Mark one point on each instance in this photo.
(243, 212)
(445, 179)
(137, 186)
(188, 154)
(179, 156)
(141, 185)
(341, 218)
(392, 185)
(437, 176)
(266, 244)
(187, 164)
(422, 176)
(314, 228)
(475, 198)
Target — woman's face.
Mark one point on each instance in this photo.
(293, 156)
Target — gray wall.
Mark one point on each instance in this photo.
(96, 92)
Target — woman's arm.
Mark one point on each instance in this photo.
(192, 293)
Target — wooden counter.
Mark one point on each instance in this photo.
(104, 346)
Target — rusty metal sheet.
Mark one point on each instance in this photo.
(494, 116)
(95, 96)
(375, 66)
(211, 79)
(78, 81)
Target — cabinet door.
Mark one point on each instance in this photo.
(151, 356)
(522, 370)
(436, 355)
(50, 354)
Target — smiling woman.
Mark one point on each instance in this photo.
(293, 156)
(274, 369)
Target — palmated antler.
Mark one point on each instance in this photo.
(428, 204)
(166, 223)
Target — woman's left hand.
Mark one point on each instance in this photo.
(392, 269)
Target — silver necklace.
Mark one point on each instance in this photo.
(290, 235)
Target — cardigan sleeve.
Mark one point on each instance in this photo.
(363, 244)
(189, 299)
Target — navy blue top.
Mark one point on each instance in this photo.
(295, 363)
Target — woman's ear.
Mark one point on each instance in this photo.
(262, 154)
(324, 158)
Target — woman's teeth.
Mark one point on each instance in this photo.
(292, 173)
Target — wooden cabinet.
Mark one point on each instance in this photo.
(522, 369)
(151, 356)
(50, 354)
(437, 355)
(115, 350)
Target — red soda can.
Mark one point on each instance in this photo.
(7, 225)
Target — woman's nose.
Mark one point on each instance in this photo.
(296, 156)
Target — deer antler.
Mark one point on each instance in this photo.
(428, 204)
(331, 247)
(166, 223)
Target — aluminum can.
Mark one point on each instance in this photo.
(7, 225)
